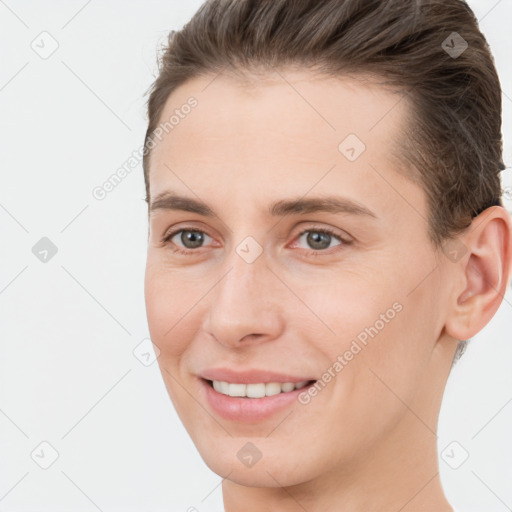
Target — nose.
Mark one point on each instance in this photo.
(246, 304)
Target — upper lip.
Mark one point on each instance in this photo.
(250, 376)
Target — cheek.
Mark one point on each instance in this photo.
(349, 301)
(380, 320)
(399, 335)
(169, 304)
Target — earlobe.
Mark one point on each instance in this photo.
(485, 270)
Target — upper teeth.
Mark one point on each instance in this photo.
(256, 390)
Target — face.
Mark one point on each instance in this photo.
(265, 283)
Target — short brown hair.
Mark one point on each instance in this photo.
(455, 142)
(454, 139)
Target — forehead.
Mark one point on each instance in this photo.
(299, 111)
(287, 129)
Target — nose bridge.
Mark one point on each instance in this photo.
(244, 301)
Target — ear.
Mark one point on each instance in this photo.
(484, 271)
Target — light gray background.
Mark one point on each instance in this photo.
(68, 327)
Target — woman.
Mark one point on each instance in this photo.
(326, 233)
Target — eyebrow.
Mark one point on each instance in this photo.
(327, 204)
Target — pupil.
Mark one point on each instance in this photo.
(193, 237)
(316, 239)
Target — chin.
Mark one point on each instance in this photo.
(273, 470)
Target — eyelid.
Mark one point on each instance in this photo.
(342, 236)
(171, 233)
(343, 242)
(173, 230)
(339, 233)
(333, 231)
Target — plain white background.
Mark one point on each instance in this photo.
(69, 326)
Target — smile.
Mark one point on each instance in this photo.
(257, 390)
(252, 402)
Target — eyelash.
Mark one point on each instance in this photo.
(168, 237)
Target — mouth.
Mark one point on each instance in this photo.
(251, 395)
(256, 390)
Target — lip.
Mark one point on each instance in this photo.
(250, 376)
(248, 410)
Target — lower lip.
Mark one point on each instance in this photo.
(249, 410)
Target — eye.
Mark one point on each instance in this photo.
(190, 238)
(320, 239)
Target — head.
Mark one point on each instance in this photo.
(325, 201)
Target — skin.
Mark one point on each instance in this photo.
(367, 441)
